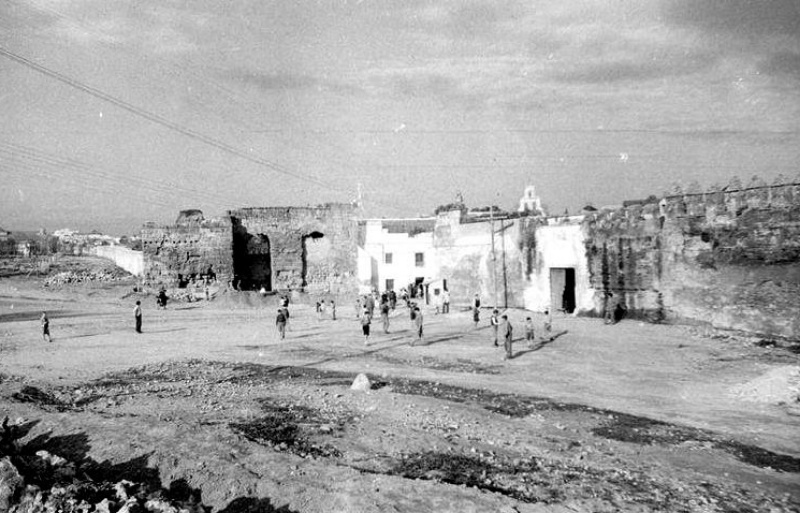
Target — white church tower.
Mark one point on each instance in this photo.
(530, 202)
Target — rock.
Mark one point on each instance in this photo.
(160, 506)
(121, 489)
(131, 506)
(361, 383)
(10, 482)
(435, 475)
(52, 459)
(103, 506)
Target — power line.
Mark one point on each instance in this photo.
(155, 118)
(86, 169)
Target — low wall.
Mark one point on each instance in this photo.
(128, 259)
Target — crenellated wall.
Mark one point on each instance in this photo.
(727, 257)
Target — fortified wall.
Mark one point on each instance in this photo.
(191, 248)
(313, 249)
(310, 249)
(729, 257)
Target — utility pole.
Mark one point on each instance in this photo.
(494, 256)
(505, 278)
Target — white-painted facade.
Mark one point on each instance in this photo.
(489, 257)
(126, 258)
(560, 244)
(394, 260)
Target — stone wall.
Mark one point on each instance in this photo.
(312, 249)
(125, 258)
(190, 248)
(728, 257)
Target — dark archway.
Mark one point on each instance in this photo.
(252, 260)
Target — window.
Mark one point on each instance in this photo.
(390, 284)
(419, 259)
(387, 258)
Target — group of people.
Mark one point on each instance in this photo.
(365, 306)
(503, 329)
(323, 309)
(365, 311)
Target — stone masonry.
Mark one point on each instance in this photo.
(311, 249)
(729, 257)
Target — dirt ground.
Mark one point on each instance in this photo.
(209, 406)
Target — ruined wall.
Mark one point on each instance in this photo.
(192, 247)
(730, 258)
(312, 249)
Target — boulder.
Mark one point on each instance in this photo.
(10, 483)
(361, 383)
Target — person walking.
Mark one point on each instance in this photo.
(494, 321)
(46, 328)
(476, 310)
(417, 325)
(611, 306)
(333, 310)
(280, 322)
(137, 315)
(529, 332)
(162, 299)
(548, 326)
(366, 320)
(385, 316)
(369, 302)
(445, 301)
(507, 331)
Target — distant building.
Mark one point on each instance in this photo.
(530, 203)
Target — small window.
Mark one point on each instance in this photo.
(387, 258)
(419, 259)
(390, 284)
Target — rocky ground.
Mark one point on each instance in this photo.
(209, 411)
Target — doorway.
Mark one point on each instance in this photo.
(562, 289)
(252, 261)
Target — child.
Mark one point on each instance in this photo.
(365, 322)
(280, 322)
(494, 321)
(548, 326)
(418, 324)
(385, 316)
(46, 328)
(529, 334)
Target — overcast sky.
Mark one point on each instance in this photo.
(115, 112)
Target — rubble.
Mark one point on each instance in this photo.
(67, 277)
(43, 481)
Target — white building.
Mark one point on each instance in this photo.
(397, 253)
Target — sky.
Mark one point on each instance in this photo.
(115, 113)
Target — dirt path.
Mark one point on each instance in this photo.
(628, 417)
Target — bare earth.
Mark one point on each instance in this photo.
(208, 403)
